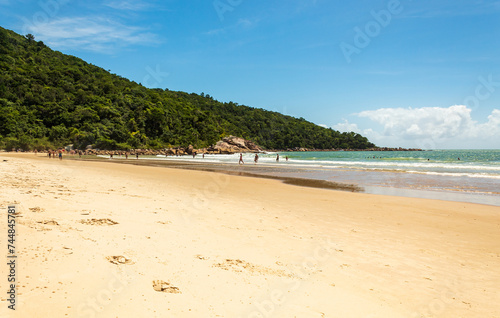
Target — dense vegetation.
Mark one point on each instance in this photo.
(48, 100)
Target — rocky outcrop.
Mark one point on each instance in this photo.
(190, 149)
(227, 145)
(234, 144)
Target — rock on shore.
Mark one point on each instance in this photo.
(234, 144)
(228, 145)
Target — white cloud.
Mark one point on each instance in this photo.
(132, 5)
(215, 31)
(91, 33)
(489, 129)
(241, 24)
(347, 127)
(426, 122)
(429, 127)
(246, 23)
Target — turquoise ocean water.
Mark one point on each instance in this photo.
(458, 175)
(458, 163)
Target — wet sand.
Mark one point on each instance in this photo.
(98, 239)
(394, 183)
(241, 170)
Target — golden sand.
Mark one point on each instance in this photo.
(97, 239)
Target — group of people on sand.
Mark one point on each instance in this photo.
(256, 158)
(59, 153)
(54, 154)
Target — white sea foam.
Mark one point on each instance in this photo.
(446, 166)
(457, 174)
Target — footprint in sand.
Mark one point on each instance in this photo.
(37, 209)
(85, 212)
(48, 222)
(119, 260)
(164, 222)
(164, 287)
(98, 222)
(237, 265)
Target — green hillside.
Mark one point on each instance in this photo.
(49, 99)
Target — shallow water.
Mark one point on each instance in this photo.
(457, 175)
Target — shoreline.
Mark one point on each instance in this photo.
(187, 151)
(286, 175)
(223, 168)
(101, 239)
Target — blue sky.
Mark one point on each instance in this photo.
(404, 73)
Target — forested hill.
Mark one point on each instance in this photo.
(49, 99)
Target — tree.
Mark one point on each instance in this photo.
(30, 37)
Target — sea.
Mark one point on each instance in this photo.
(454, 175)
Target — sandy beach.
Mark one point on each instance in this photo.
(98, 239)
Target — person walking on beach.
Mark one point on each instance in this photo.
(241, 159)
(136, 155)
(256, 158)
(60, 154)
(277, 157)
(126, 155)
